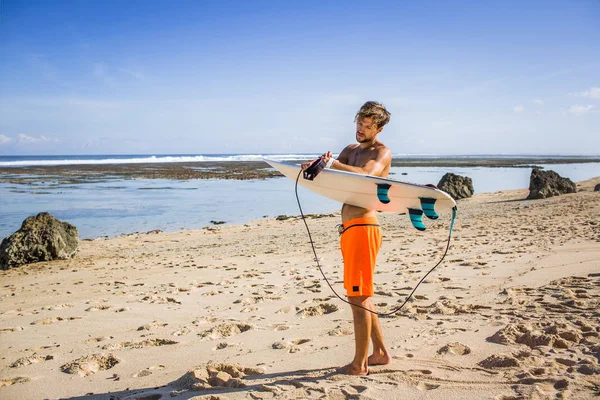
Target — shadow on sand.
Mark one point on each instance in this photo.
(170, 391)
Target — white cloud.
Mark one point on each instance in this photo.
(518, 108)
(580, 110)
(24, 139)
(4, 139)
(538, 102)
(591, 93)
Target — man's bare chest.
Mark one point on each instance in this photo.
(359, 159)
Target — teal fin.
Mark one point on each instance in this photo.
(427, 204)
(382, 192)
(416, 217)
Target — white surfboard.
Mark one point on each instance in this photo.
(370, 192)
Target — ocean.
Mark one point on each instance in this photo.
(112, 207)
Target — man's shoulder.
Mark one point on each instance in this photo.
(382, 148)
(350, 147)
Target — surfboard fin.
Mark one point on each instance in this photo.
(382, 192)
(416, 217)
(427, 204)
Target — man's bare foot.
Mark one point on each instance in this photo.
(352, 370)
(379, 358)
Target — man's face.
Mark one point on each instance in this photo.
(366, 129)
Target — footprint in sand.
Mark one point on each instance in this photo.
(48, 321)
(224, 345)
(455, 348)
(147, 371)
(556, 335)
(182, 332)
(499, 361)
(256, 299)
(224, 330)
(99, 339)
(89, 365)
(216, 375)
(280, 328)
(321, 309)
(287, 309)
(13, 381)
(291, 347)
(160, 300)
(58, 307)
(151, 326)
(339, 331)
(140, 345)
(34, 359)
(100, 307)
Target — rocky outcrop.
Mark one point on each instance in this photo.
(41, 238)
(544, 184)
(459, 187)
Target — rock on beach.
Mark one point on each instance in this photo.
(459, 187)
(544, 184)
(41, 238)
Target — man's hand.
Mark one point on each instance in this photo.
(325, 158)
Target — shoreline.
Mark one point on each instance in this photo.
(235, 170)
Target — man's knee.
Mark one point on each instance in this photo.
(362, 301)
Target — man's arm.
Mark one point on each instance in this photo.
(374, 166)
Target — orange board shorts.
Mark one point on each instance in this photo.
(360, 245)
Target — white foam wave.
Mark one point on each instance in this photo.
(153, 159)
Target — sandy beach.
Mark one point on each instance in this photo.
(241, 312)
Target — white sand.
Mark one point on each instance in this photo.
(513, 311)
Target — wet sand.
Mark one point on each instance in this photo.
(241, 312)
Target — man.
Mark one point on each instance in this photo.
(361, 236)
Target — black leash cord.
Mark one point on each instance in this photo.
(395, 310)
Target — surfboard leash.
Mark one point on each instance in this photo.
(394, 310)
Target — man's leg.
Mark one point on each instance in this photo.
(380, 355)
(362, 334)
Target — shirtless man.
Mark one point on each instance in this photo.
(360, 244)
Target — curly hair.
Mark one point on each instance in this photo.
(374, 110)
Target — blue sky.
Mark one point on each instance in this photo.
(139, 77)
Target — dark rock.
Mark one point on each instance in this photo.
(544, 184)
(459, 187)
(283, 217)
(597, 188)
(41, 238)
